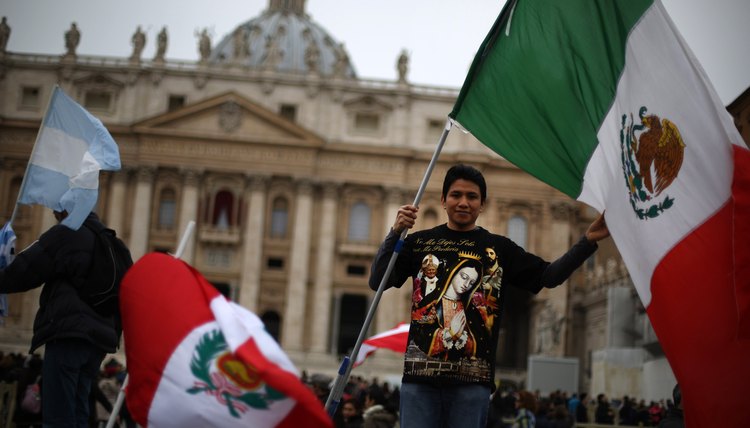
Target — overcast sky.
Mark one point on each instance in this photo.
(440, 35)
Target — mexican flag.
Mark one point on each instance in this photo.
(603, 100)
(196, 359)
(394, 339)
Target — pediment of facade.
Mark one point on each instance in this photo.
(228, 117)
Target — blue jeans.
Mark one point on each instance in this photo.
(453, 406)
(70, 366)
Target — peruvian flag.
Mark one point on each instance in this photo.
(603, 100)
(393, 339)
(196, 359)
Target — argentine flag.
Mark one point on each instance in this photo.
(63, 172)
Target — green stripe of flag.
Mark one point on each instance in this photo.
(543, 81)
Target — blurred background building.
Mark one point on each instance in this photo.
(293, 167)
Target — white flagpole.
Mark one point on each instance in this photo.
(346, 367)
(33, 150)
(121, 395)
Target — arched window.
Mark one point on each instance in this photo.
(223, 204)
(518, 230)
(279, 217)
(359, 222)
(167, 208)
(272, 321)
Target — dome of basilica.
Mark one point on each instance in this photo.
(285, 39)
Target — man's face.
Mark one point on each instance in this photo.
(430, 271)
(491, 254)
(348, 410)
(463, 203)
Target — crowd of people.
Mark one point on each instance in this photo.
(24, 372)
(373, 404)
(560, 410)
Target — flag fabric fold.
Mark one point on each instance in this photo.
(71, 149)
(603, 100)
(7, 253)
(394, 339)
(196, 359)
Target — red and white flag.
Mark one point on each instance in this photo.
(197, 359)
(393, 339)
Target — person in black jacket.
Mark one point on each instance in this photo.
(75, 336)
(674, 417)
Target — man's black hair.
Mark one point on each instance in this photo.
(677, 395)
(465, 172)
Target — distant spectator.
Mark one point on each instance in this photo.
(628, 415)
(559, 417)
(527, 407)
(377, 413)
(582, 412)
(352, 414)
(604, 413)
(674, 417)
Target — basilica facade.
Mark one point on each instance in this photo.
(292, 167)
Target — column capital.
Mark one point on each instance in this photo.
(304, 186)
(394, 195)
(561, 211)
(330, 189)
(145, 173)
(191, 176)
(257, 182)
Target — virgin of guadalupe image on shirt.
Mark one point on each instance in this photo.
(446, 320)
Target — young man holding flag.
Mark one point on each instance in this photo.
(448, 382)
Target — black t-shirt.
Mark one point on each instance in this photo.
(458, 280)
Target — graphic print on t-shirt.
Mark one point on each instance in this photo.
(452, 325)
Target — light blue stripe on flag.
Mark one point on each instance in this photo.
(7, 253)
(63, 171)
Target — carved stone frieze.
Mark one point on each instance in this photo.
(562, 211)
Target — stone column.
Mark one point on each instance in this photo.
(554, 302)
(253, 242)
(392, 307)
(324, 269)
(296, 290)
(188, 211)
(139, 229)
(116, 204)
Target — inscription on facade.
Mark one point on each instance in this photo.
(235, 152)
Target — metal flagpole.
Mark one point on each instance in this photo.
(121, 395)
(345, 369)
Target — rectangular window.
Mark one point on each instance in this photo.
(98, 100)
(288, 112)
(30, 96)
(434, 131)
(367, 122)
(275, 263)
(356, 270)
(176, 102)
